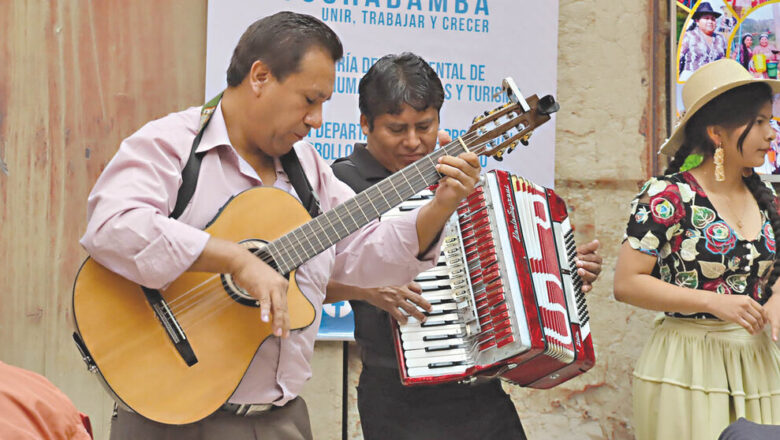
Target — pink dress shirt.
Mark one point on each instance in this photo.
(129, 232)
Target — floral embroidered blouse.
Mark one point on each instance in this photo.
(676, 223)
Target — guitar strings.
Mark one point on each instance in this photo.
(192, 298)
(286, 249)
(360, 204)
(196, 294)
(196, 301)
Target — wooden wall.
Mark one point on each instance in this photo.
(76, 77)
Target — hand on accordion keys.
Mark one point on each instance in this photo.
(588, 264)
(399, 301)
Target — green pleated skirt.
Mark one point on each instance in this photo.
(695, 377)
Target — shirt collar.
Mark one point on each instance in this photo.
(216, 133)
(367, 164)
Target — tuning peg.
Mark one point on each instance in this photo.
(524, 139)
(547, 105)
(499, 156)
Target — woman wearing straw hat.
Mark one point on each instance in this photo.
(700, 246)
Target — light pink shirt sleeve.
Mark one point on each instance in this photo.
(128, 227)
(379, 254)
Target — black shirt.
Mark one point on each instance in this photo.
(373, 332)
(389, 410)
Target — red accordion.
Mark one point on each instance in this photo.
(507, 300)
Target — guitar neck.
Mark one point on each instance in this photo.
(307, 241)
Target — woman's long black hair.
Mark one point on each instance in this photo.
(744, 59)
(734, 108)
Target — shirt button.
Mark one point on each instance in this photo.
(749, 246)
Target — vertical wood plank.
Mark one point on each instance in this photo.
(76, 78)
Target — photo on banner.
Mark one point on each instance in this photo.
(471, 44)
(743, 30)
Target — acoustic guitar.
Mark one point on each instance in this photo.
(175, 356)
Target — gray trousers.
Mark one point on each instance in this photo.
(289, 422)
(744, 429)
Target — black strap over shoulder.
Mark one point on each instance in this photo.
(189, 178)
(189, 174)
(292, 166)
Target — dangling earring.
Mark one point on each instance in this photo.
(720, 175)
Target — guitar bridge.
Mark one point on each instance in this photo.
(171, 325)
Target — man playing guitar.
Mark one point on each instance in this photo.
(281, 73)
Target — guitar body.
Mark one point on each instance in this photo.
(134, 354)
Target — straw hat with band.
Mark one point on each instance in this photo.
(706, 84)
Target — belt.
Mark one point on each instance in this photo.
(247, 409)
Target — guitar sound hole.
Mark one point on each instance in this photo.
(232, 288)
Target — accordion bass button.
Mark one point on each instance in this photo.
(505, 341)
(501, 334)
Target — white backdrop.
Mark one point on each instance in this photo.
(472, 45)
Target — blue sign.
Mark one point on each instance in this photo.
(338, 322)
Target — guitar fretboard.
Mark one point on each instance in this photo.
(300, 245)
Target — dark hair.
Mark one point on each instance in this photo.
(395, 80)
(744, 59)
(736, 107)
(280, 41)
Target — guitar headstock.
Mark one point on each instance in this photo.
(498, 131)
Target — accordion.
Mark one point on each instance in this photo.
(506, 298)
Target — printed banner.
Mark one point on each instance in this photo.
(471, 44)
(743, 30)
(338, 322)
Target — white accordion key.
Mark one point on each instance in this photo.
(417, 344)
(441, 371)
(433, 320)
(437, 272)
(431, 330)
(434, 353)
(432, 359)
(444, 306)
(439, 295)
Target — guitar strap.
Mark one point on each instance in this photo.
(189, 174)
